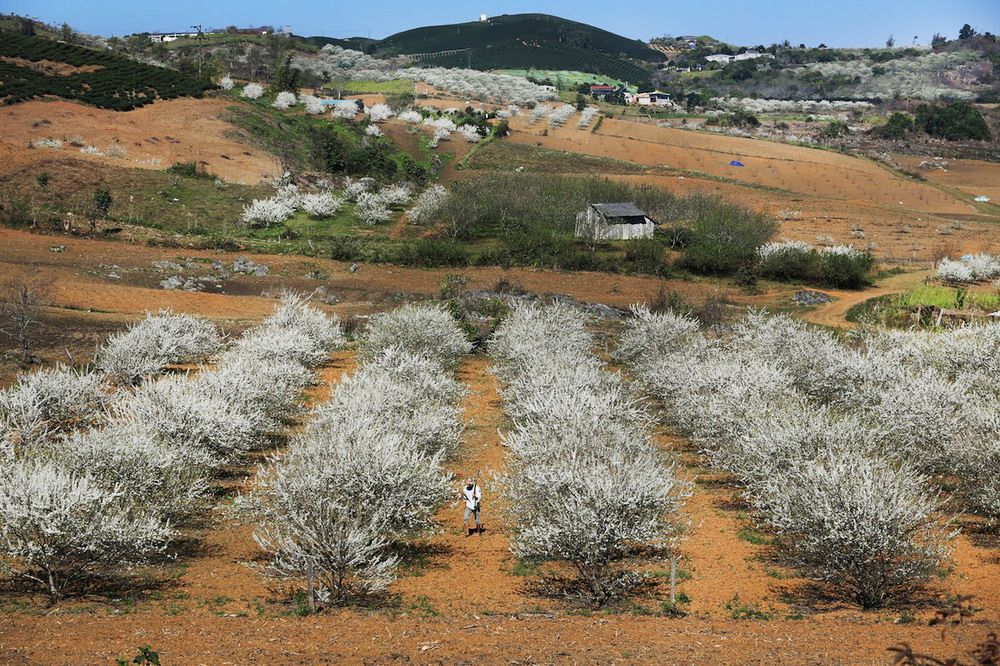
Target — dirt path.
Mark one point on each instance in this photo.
(470, 576)
(835, 313)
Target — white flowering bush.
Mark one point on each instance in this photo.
(395, 195)
(48, 402)
(181, 413)
(649, 335)
(295, 332)
(153, 343)
(253, 91)
(949, 270)
(862, 524)
(410, 116)
(284, 100)
(154, 476)
(373, 130)
(321, 205)
(561, 114)
(440, 134)
(344, 111)
(227, 83)
(59, 529)
(401, 393)
(371, 209)
(312, 104)
(47, 143)
(427, 330)
(273, 385)
(587, 116)
(268, 212)
(538, 113)
(470, 133)
(353, 188)
(427, 204)
(378, 113)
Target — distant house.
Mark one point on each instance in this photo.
(602, 90)
(613, 221)
(720, 58)
(630, 97)
(165, 37)
(655, 98)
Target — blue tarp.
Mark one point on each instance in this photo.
(736, 163)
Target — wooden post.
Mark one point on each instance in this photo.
(673, 579)
(312, 594)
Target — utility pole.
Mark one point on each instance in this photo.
(201, 47)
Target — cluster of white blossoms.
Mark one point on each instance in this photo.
(969, 268)
(334, 63)
(366, 475)
(253, 91)
(586, 485)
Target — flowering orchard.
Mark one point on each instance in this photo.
(842, 448)
(103, 467)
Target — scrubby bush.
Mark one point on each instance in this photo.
(956, 121)
(59, 529)
(153, 343)
(268, 212)
(373, 130)
(296, 332)
(725, 239)
(312, 105)
(651, 335)
(226, 83)
(272, 385)
(839, 266)
(426, 330)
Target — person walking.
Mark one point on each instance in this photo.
(473, 496)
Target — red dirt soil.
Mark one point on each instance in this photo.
(153, 137)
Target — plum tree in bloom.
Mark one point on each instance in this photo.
(226, 83)
(58, 529)
(153, 343)
(373, 130)
(284, 100)
(378, 113)
(470, 133)
(586, 116)
(48, 402)
(272, 385)
(428, 203)
(295, 332)
(253, 91)
(647, 335)
(154, 476)
(427, 330)
(354, 188)
(179, 412)
(344, 111)
(861, 523)
(396, 195)
(371, 209)
(954, 271)
(561, 114)
(410, 116)
(440, 134)
(312, 104)
(321, 206)
(267, 212)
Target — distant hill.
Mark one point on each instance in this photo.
(522, 41)
(32, 66)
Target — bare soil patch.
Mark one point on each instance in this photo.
(154, 136)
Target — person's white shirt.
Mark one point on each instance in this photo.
(472, 497)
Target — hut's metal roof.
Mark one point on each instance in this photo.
(624, 209)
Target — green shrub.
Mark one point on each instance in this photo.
(725, 238)
(823, 269)
(955, 121)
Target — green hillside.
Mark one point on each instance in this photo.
(521, 41)
(99, 78)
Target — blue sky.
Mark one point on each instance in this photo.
(840, 23)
